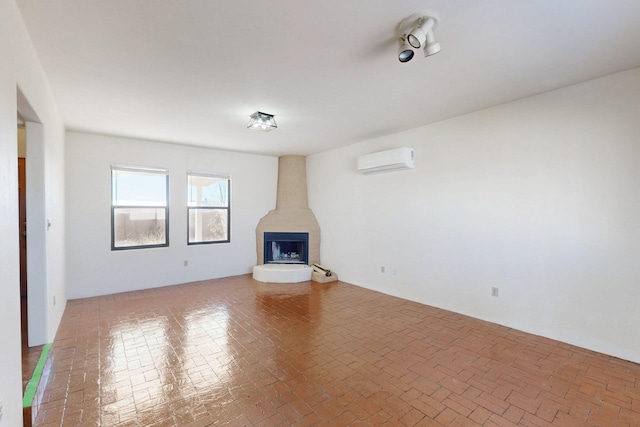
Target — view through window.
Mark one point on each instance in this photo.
(139, 209)
(208, 206)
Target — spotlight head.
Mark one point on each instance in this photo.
(416, 38)
(432, 46)
(418, 35)
(405, 53)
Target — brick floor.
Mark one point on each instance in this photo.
(239, 352)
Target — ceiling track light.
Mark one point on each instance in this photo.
(420, 36)
(262, 121)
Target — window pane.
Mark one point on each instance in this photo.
(139, 227)
(139, 188)
(208, 191)
(139, 207)
(208, 225)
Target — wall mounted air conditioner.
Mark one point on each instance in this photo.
(386, 161)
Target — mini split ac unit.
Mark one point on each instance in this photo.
(386, 161)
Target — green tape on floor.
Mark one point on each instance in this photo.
(30, 392)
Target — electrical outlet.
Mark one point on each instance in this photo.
(186, 263)
(394, 271)
(494, 292)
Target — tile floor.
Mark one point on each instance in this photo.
(239, 352)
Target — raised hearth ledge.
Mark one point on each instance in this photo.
(282, 273)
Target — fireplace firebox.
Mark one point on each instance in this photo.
(286, 248)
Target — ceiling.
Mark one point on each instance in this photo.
(193, 71)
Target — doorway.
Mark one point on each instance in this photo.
(28, 356)
(22, 228)
(31, 131)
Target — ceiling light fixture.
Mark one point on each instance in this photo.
(262, 121)
(420, 36)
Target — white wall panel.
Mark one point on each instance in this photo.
(538, 198)
(94, 269)
(20, 68)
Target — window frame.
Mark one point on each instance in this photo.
(114, 206)
(222, 176)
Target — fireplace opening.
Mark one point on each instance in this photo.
(286, 248)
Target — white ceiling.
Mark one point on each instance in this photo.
(193, 71)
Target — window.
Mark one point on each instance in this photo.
(139, 209)
(208, 207)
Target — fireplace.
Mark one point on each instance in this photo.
(286, 248)
(291, 216)
(288, 237)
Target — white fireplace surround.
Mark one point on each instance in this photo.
(292, 214)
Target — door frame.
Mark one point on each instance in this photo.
(36, 223)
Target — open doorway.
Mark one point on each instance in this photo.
(22, 230)
(32, 245)
(29, 355)
(33, 261)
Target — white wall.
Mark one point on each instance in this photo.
(19, 67)
(94, 269)
(540, 198)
